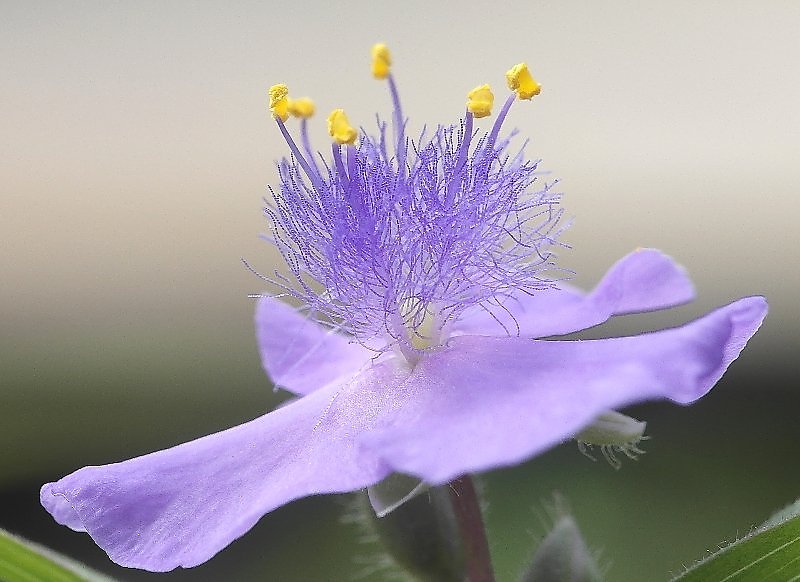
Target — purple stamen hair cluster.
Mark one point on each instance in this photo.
(391, 232)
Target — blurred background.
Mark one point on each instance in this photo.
(135, 147)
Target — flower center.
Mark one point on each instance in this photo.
(418, 329)
(426, 334)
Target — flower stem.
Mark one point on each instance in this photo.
(468, 513)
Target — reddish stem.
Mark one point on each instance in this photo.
(470, 523)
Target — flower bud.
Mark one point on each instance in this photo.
(563, 556)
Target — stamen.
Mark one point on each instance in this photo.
(381, 61)
(399, 128)
(480, 101)
(279, 102)
(307, 145)
(463, 150)
(302, 107)
(336, 150)
(461, 160)
(519, 80)
(501, 117)
(340, 129)
(312, 175)
(351, 163)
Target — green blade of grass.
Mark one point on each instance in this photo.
(770, 554)
(24, 561)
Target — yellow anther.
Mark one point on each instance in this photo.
(340, 129)
(519, 80)
(381, 60)
(480, 101)
(302, 107)
(279, 101)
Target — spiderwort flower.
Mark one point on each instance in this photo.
(425, 270)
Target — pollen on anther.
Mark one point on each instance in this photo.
(381, 61)
(303, 107)
(480, 101)
(279, 101)
(519, 80)
(340, 129)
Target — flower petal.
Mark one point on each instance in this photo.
(487, 402)
(644, 280)
(300, 355)
(180, 506)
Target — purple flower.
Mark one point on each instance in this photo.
(427, 275)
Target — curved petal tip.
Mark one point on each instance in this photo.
(745, 317)
(726, 332)
(644, 280)
(61, 509)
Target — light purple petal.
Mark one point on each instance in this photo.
(180, 506)
(644, 280)
(486, 402)
(300, 355)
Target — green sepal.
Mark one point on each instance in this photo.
(393, 492)
(24, 561)
(771, 552)
(614, 433)
(422, 537)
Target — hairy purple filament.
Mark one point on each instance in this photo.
(382, 240)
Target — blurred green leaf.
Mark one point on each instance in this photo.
(772, 552)
(24, 561)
